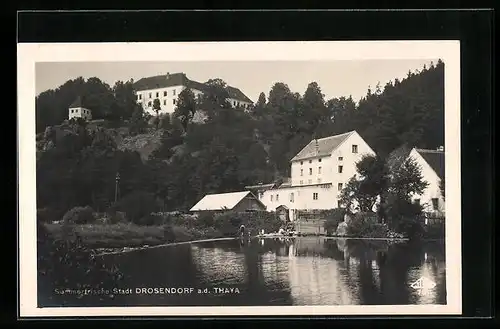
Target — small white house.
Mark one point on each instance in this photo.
(432, 166)
(232, 201)
(77, 110)
(319, 172)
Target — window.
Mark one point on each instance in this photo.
(319, 170)
(149, 95)
(149, 103)
(173, 101)
(417, 201)
(340, 169)
(339, 204)
(271, 198)
(310, 161)
(138, 96)
(341, 158)
(234, 103)
(355, 149)
(301, 182)
(435, 203)
(72, 111)
(310, 171)
(173, 92)
(301, 172)
(319, 160)
(164, 102)
(301, 163)
(291, 197)
(310, 181)
(165, 93)
(319, 180)
(339, 186)
(277, 197)
(315, 196)
(157, 94)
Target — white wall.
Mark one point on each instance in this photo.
(317, 177)
(330, 164)
(302, 197)
(79, 112)
(349, 159)
(167, 101)
(432, 190)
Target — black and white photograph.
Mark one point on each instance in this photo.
(240, 178)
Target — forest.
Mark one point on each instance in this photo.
(231, 149)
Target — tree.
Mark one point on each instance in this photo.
(369, 185)
(442, 187)
(186, 107)
(407, 180)
(157, 109)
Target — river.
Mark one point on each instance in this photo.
(303, 271)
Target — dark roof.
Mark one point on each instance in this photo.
(397, 157)
(325, 146)
(180, 79)
(77, 103)
(435, 159)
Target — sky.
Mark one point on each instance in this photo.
(336, 78)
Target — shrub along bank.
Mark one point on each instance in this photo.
(117, 231)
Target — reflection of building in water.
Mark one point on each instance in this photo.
(318, 281)
(221, 266)
(274, 269)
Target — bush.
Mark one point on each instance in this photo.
(229, 223)
(137, 205)
(332, 220)
(397, 209)
(435, 231)
(411, 227)
(79, 215)
(205, 219)
(151, 219)
(367, 226)
(68, 263)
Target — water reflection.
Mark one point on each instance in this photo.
(302, 271)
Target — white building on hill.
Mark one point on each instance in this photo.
(319, 172)
(166, 88)
(77, 110)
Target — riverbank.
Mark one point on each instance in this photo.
(107, 238)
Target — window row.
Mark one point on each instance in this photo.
(84, 111)
(164, 102)
(165, 94)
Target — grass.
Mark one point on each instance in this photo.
(112, 235)
(128, 235)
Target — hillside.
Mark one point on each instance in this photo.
(179, 160)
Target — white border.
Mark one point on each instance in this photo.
(29, 54)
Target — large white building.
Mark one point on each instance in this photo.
(432, 166)
(319, 172)
(166, 88)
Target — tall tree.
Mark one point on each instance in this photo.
(186, 107)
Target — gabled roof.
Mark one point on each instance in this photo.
(180, 79)
(222, 201)
(325, 146)
(78, 102)
(435, 159)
